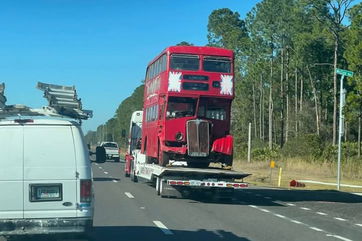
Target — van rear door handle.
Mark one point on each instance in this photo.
(67, 204)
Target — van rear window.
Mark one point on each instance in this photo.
(112, 145)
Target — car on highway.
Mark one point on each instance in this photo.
(112, 150)
(45, 178)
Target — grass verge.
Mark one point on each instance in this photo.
(295, 169)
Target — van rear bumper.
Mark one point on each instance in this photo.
(44, 226)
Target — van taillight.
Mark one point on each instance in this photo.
(85, 191)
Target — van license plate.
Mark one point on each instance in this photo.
(46, 192)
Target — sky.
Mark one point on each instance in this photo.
(100, 46)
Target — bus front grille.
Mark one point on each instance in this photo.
(198, 140)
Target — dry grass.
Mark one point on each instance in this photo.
(295, 169)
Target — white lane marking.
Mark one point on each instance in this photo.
(163, 228)
(258, 195)
(328, 183)
(100, 167)
(359, 224)
(304, 208)
(279, 215)
(298, 222)
(105, 172)
(317, 229)
(295, 221)
(142, 208)
(357, 193)
(291, 204)
(264, 210)
(96, 164)
(320, 213)
(129, 195)
(267, 197)
(339, 237)
(340, 219)
(115, 181)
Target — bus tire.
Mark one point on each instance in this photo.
(228, 160)
(164, 159)
(198, 164)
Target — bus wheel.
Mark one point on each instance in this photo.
(198, 164)
(228, 160)
(164, 159)
(149, 160)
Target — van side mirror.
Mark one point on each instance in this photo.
(123, 134)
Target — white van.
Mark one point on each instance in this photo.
(45, 178)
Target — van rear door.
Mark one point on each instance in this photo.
(49, 172)
(11, 172)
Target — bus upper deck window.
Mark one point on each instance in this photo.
(217, 64)
(185, 62)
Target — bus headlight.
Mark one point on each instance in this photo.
(179, 136)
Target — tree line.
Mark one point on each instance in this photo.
(286, 54)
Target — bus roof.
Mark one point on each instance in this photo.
(204, 50)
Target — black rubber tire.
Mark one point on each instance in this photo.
(100, 154)
(228, 160)
(164, 159)
(133, 174)
(198, 164)
(149, 160)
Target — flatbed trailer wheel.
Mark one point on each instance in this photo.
(133, 173)
(158, 186)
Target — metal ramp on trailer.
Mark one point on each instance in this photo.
(63, 102)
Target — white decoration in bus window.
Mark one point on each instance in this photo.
(226, 84)
(174, 81)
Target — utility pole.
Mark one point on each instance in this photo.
(249, 143)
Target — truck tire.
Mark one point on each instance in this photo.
(158, 186)
(164, 159)
(100, 154)
(133, 173)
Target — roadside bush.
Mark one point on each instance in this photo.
(308, 147)
(265, 154)
(349, 150)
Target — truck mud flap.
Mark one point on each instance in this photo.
(165, 190)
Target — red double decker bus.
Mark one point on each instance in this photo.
(187, 102)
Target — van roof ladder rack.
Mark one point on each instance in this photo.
(62, 102)
(2, 96)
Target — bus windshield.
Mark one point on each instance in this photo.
(178, 107)
(217, 64)
(184, 62)
(213, 109)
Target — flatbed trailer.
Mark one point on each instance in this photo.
(177, 179)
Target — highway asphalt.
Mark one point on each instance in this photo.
(127, 211)
(132, 211)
